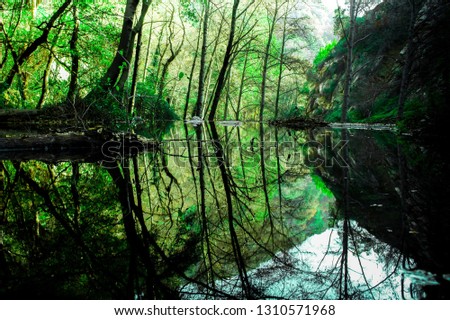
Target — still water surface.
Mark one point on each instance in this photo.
(230, 210)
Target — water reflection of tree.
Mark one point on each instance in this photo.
(193, 219)
(423, 173)
(401, 255)
(253, 231)
(52, 245)
(355, 243)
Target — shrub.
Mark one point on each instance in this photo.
(155, 114)
(324, 53)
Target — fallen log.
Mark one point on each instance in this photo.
(298, 123)
(80, 146)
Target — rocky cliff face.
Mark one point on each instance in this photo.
(430, 75)
(399, 46)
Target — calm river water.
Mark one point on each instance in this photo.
(230, 210)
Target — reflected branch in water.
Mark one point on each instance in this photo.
(344, 278)
(137, 247)
(279, 180)
(205, 229)
(210, 236)
(264, 178)
(44, 193)
(234, 239)
(75, 194)
(191, 163)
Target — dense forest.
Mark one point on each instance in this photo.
(91, 61)
(156, 60)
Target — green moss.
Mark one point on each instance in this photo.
(387, 116)
(353, 115)
(334, 115)
(324, 53)
(414, 113)
(318, 182)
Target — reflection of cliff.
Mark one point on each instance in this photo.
(426, 191)
(397, 193)
(311, 270)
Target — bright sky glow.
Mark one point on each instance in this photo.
(332, 4)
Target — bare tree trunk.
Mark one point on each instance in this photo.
(129, 226)
(241, 87)
(344, 275)
(208, 73)
(72, 95)
(157, 58)
(191, 74)
(222, 163)
(350, 40)
(147, 55)
(279, 180)
(226, 62)
(205, 229)
(173, 54)
(45, 80)
(129, 55)
(265, 65)
(281, 62)
(201, 76)
(46, 74)
(111, 76)
(264, 176)
(227, 94)
(132, 97)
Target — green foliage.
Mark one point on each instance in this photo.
(341, 21)
(334, 115)
(156, 114)
(318, 182)
(329, 88)
(291, 112)
(324, 53)
(189, 220)
(261, 216)
(380, 39)
(10, 99)
(384, 109)
(107, 108)
(415, 113)
(383, 117)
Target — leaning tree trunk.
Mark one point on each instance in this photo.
(73, 85)
(191, 74)
(23, 57)
(226, 62)
(111, 76)
(280, 70)
(265, 66)
(201, 76)
(129, 56)
(350, 39)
